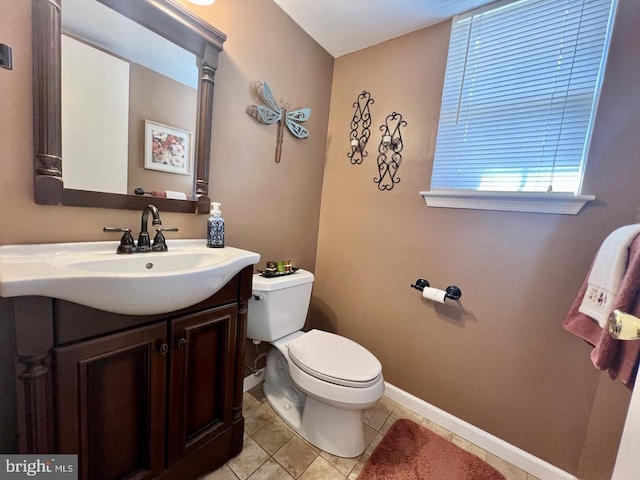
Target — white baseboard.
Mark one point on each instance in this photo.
(514, 455)
(521, 459)
(253, 380)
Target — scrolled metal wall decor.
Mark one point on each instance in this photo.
(361, 121)
(390, 144)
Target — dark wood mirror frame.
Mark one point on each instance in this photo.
(160, 16)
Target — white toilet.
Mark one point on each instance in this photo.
(318, 382)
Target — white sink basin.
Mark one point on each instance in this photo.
(92, 274)
(148, 264)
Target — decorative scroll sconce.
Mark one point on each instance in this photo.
(357, 140)
(272, 112)
(390, 151)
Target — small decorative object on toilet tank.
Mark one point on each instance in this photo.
(215, 227)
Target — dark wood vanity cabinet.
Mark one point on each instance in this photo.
(135, 397)
(110, 403)
(201, 380)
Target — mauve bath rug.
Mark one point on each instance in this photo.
(409, 451)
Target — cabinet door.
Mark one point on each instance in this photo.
(201, 379)
(111, 403)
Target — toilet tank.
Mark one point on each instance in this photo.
(278, 305)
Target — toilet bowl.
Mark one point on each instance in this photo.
(317, 382)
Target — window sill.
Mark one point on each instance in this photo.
(561, 203)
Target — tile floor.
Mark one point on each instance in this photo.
(272, 451)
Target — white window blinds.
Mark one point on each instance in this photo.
(519, 96)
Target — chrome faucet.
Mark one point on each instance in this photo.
(127, 245)
(144, 243)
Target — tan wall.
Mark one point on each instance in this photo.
(271, 208)
(500, 359)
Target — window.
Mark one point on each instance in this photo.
(519, 98)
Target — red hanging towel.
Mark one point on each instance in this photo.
(619, 357)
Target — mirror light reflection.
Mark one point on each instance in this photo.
(115, 76)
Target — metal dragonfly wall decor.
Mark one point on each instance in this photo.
(273, 112)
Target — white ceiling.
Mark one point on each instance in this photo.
(344, 26)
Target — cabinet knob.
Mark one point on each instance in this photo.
(163, 349)
(182, 342)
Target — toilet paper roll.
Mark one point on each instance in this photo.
(434, 294)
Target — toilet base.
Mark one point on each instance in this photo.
(342, 435)
(335, 430)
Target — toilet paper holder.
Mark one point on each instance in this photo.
(452, 291)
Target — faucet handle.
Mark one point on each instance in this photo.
(127, 245)
(159, 242)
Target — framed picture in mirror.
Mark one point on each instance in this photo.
(167, 149)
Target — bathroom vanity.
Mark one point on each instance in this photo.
(135, 396)
(133, 362)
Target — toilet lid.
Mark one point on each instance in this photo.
(335, 359)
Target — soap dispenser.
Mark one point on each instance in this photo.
(215, 227)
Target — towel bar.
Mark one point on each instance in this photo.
(623, 326)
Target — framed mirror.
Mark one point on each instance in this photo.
(161, 148)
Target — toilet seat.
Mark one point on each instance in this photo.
(334, 359)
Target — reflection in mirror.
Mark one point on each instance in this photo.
(178, 107)
(116, 75)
